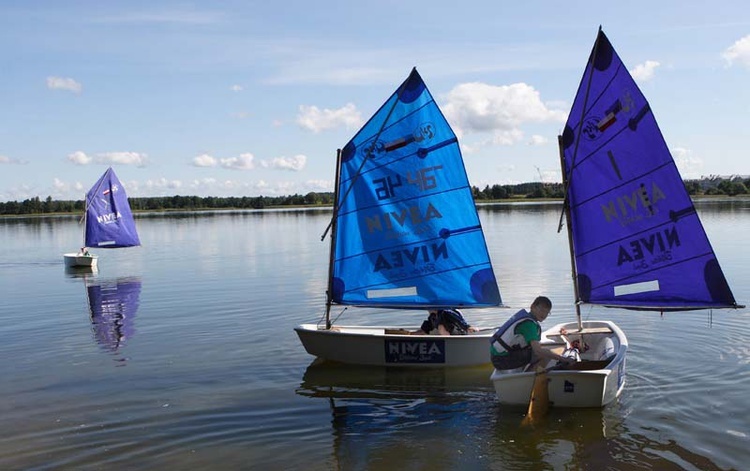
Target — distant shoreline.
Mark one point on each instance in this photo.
(505, 201)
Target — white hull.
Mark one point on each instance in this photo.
(78, 260)
(373, 346)
(574, 388)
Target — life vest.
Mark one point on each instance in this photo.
(505, 338)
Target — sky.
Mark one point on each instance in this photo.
(251, 98)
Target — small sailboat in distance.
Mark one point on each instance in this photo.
(636, 241)
(405, 238)
(108, 221)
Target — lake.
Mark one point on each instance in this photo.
(196, 365)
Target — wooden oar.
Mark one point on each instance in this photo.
(539, 400)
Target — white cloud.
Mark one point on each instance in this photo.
(59, 185)
(316, 120)
(644, 72)
(124, 158)
(243, 162)
(240, 115)
(247, 161)
(204, 160)
(79, 158)
(319, 185)
(295, 163)
(537, 140)
(166, 16)
(481, 108)
(62, 83)
(236, 88)
(4, 159)
(158, 185)
(689, 166)
(738, 52)
(507, 137)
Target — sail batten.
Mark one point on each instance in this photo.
(406, 223)
(637, 240)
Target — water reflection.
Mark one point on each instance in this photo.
(81, 272)
(112, 307)
(326, 379)
(408, 417)
(377, 411)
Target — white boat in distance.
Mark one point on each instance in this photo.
(405, 237)
(81, 259)
(108, 221)
(635, 239)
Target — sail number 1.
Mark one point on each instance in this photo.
(424, 179)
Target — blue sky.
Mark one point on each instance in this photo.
(248, 98)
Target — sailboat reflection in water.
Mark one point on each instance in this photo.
(112, 305)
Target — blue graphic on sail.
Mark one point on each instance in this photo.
(113, 305)
(637, 239)
(109, 221)
(406, 231)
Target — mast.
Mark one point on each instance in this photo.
(566, 212)
(332, 254)
(85, 217)
(566, 178)
(566, 181)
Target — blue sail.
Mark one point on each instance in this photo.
(109, 221)
(406, 229)
(113, 305)
(637, 239)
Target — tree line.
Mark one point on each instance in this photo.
(535, 190)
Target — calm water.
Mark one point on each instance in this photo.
(206, 371)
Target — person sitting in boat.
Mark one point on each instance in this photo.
(516, 343)
(445, 322)
(85, 252)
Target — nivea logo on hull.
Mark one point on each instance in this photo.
(414, 351)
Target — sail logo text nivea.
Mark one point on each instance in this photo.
(414, 351)
(108, 218)
(406, 217)
(631, 207)
(657, 245)
(411, 257)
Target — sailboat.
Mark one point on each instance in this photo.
(108, 221)
(405, 238)
(635, 239)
